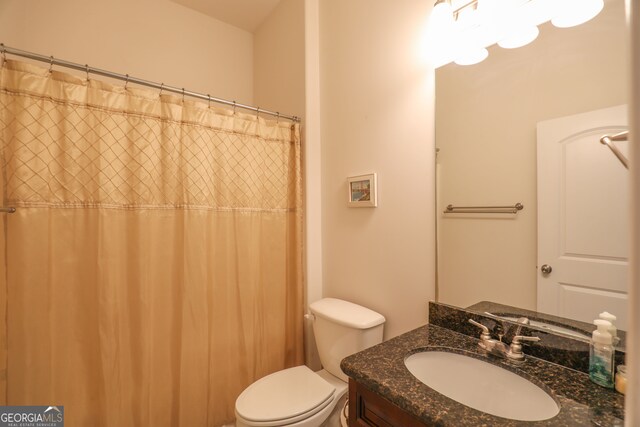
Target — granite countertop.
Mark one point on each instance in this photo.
(556, 348)
(381, 369)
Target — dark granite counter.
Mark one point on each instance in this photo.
(381, 369)
(553, 347)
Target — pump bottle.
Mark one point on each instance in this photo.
(601, 355)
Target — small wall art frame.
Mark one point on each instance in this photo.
(363, 192)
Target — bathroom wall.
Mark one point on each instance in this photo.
(280, 85)
(155, 40)
(377, 111)
(278, 60)
(486, 119)
(312, 152)
(280, 56)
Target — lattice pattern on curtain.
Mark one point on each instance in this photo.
(88, 152)
(155, 262)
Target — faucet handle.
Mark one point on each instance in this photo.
(484, 335)
(519, 338)
(515, 349)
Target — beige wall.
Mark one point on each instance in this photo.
(312, 151)
(377, 116)
(278, 60)
(486, 118)
(280, 83)
(155, 40)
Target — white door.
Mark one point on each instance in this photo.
(583, 226)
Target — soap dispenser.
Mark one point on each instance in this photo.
(605, 315)
(601, 355)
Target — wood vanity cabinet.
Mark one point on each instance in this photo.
(367, 408)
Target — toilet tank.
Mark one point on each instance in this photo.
(341, 329)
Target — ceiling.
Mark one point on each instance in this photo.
(245, 14)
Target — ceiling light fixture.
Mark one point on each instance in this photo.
(463, 29)
(520, 37)
(575, 12)
(472, 56)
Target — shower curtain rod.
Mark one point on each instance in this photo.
(128, 79)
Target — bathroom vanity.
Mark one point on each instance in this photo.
(383, 392)
(367, 408)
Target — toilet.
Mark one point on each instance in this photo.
(299, 397)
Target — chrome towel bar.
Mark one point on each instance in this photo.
(485, 209)
(608, 139)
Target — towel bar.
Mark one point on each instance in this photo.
(608, 139)
(484, 209)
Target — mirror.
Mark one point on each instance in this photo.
(486, 118)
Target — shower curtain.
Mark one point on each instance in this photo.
(153, 265)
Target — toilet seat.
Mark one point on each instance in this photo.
(284, 397)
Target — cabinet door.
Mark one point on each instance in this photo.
(367, 408)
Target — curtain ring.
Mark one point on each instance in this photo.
(277, 117)
(51, 64)
(4, 55)
(209, 96)
(182, 94)
(257, 113)
(126, 82)
(234, 108)
(86, 68)
(161, 89)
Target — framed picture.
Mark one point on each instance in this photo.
(362, 191)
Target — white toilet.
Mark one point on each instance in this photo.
(299, 397)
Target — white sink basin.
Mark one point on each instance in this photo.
(482, 386)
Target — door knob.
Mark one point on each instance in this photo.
(546, 269)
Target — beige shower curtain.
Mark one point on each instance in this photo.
(153, 266)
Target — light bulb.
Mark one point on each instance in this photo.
(472, 56)
(523, 36)
(538, 12)
(440, 32)
(506, 21)
(442, 15)
(575, 12)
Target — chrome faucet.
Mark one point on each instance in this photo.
(522, 321)
(500, 349)
(515, 350)
(491, 345)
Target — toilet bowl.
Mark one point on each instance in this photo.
(292, 397)
(299, 397)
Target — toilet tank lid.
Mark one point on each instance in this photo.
(346, 313)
